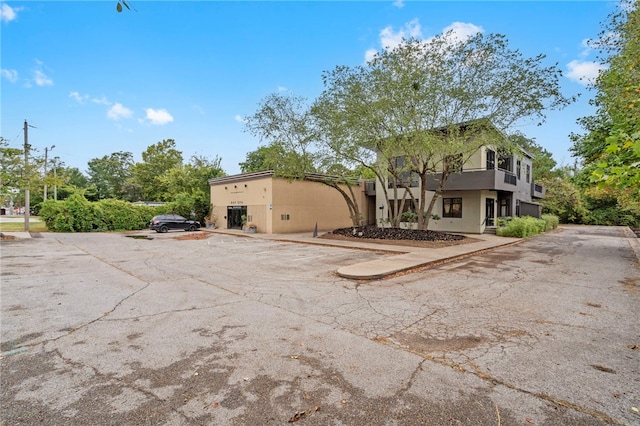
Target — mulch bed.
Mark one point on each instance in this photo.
(398, 236)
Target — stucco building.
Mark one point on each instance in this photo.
(488, 187)
(277, 205)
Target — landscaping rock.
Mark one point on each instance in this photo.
(374, 232)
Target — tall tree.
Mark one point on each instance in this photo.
(543, 164)
(70, 180)
(266, 157)
(11, 166)
(189, 184)
(110, 173)
(287, 123)
(611, 146)
(425, 106)
(157, 160)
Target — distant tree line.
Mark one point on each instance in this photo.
(161, 176)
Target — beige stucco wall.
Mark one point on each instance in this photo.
(255, 194)
(307, 203)
(469, 222)
(267, 199)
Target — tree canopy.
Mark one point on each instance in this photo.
(110, 173)
(416, 107)
(610, 146)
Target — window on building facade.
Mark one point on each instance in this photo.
(452, 207)
(528, 173)
(518, 167)
(405, 177)
(491, 159)
(505, 162)
(454, 163)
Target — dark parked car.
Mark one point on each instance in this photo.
(166, 222)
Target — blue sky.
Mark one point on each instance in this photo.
(93, 81)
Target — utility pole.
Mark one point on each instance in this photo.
(55, 179)
(46, 150)
(27, 203)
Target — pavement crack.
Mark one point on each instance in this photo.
(415, 372)
(474, 369)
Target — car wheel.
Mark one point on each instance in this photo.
(164, 229)
(192, 228)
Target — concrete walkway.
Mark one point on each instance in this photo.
(400, 259)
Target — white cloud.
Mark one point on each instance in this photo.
(282, 89)
(370, 54)
(586, 47)
(101, 101)
(398, 3)
(11, 75)
(240, 119)
(8, 13)
(118, 111)
(390, 39)
(78, 97)
(584, 72)
(462, 30)
(158, 117)
(41, 79)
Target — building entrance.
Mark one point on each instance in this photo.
(234, 216)
(489, 212)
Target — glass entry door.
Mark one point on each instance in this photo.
(490, 212)
(234, 216)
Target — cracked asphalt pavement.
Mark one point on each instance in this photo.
(104, 329)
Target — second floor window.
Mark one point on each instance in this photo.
(453, 163)
(403, 176)
(491, 159)
(505, 163)
(528, 173)
(518, 167)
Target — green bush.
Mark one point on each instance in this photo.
(117, 215)
(76, 214)
(551, 221)
(409, 216)
(522, 227)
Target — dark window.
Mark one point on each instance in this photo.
(491, 159)
(528, 173)
(403, 176)
(453, 163)
(452, 207)
(505, 163)
(518, 167)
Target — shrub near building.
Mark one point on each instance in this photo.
(526, 226)
(76, 214)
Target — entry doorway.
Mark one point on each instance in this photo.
(234, 216)
(489, 212)
(504, 206)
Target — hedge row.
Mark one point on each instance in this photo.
(76, 214)
(522, 227)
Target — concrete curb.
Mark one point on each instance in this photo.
(399, 265)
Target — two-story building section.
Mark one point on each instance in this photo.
(491, 185)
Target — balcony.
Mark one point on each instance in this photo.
(538, 191)
(493, 180)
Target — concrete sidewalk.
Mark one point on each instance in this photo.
(400, 259)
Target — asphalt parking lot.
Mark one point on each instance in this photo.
(106, 329)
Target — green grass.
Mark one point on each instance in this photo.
(19, 226)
